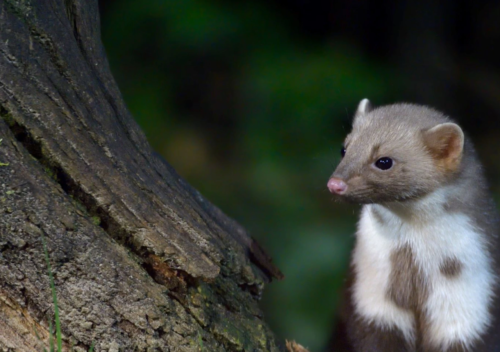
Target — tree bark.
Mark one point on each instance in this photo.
(141, 260)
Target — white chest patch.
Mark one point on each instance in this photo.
(456, 309)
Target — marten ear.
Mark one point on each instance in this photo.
(364, 107)
(445, 143)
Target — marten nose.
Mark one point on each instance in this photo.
(336, 185)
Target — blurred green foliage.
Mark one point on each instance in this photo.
(252, 113)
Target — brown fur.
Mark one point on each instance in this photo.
(407, 286)
(456, 348)
(451, 267)
(370, 337)
(453, 348)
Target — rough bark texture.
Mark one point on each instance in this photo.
(141, 260)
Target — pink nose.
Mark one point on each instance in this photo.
(336, 185)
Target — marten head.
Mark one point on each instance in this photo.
(397, 152)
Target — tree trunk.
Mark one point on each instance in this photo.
(141, 260)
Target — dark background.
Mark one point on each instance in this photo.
(250, 100)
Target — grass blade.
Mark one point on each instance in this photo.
(51, 338)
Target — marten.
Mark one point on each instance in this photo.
(424, 270)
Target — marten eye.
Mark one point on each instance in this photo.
(384, 163)
(342, 151)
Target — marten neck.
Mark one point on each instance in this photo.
(423, 209)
